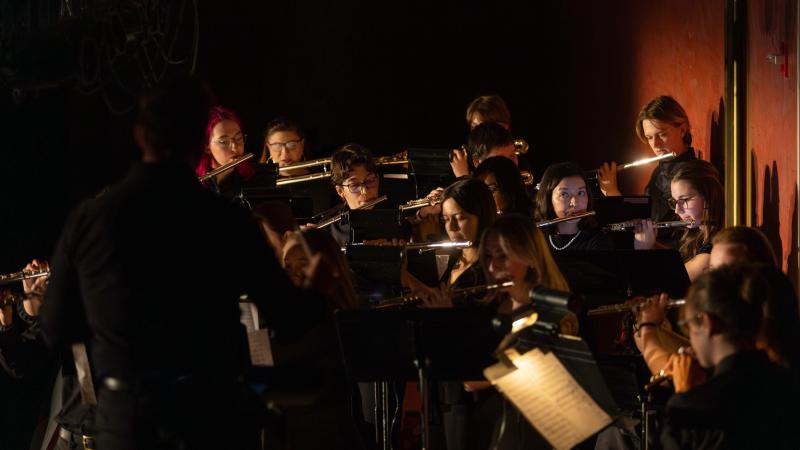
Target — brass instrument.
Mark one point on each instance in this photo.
(622, 226)
(326, 170)
(666, 156)
(23, 275)
(225, 167)
(426, 247)
(339, 216)
(527, 177)
(413, 300)
(520, 146)
(625, 307)
(547, 223)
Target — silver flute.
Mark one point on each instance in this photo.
(625, 307)
(547, 223)
(225, 167)
(23, 275)
(622, 226)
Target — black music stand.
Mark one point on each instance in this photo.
(377, 224)
(302, 207)
(419, 345)
(430, 168)
(623, 273)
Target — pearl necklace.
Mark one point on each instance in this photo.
(550, 237)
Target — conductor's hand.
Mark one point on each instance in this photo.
(644, 235)
(458, 162)
(607, 179)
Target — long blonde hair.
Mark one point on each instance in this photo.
(521, 240)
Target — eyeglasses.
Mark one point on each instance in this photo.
(357, 187)
(288, 145)
(228, 142)
(683, 324)
(684, 202)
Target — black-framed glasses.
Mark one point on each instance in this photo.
(228, 142)
(288, 145)
(684, 202)
(358, 186)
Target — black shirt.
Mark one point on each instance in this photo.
(748, 403)
(658, 188)
(150, 274)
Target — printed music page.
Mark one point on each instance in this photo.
(547, 395)
(257, 339)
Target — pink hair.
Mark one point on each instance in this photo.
(216, 115)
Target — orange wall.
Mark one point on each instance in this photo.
(772, 124)
(679, 51)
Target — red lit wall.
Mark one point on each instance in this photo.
(772, 123)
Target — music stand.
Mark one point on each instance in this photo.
(419, 345)
(377, 224)
(624, 273)
(430, 168)
(378, 269)
(302, 207)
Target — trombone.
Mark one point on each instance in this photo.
(413, 300)
(339, 216)
(225, 167)
(325, 163)
(547, 223)
(625, 307)
(23, 275)
(623, 226)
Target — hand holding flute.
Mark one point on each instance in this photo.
(607, 173)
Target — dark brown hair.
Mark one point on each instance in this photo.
(756, 246)
(704, 178)
(274, 126)
(485, 137)
(491, 108)
(544, 196)
(474, 197)
(345, 158)
(664, 109)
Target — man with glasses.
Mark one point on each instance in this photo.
(748, 402)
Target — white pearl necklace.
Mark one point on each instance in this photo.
(550, 237)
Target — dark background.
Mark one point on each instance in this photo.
(386, 75)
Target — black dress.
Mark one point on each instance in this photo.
(591, 239)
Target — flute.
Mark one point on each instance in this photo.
(547, 223)
(225, 167)
(625, 307)
(425, 247)
(20, 276)
(339, 216)
(412, 300)
(622, 226)
(666, 156)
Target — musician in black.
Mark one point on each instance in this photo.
(502, 177)
(356, 179)
(748, 402)
(284, 144)
(150, 276)
(698, 198)
(664, 126)
(486, 108)
(563, 192)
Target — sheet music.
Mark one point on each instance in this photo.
(547, 395)
(257, 339)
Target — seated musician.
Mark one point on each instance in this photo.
(697, 197)
(748, 402)
(224, 143)
(664, 126)
(563, 192)
(467, 210)
(356, 179)
(284, 144)
(317, 410)
(486, 108)
(508, 189)
(735, 245)
(490, 139)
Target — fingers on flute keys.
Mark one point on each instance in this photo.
(644, 234)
